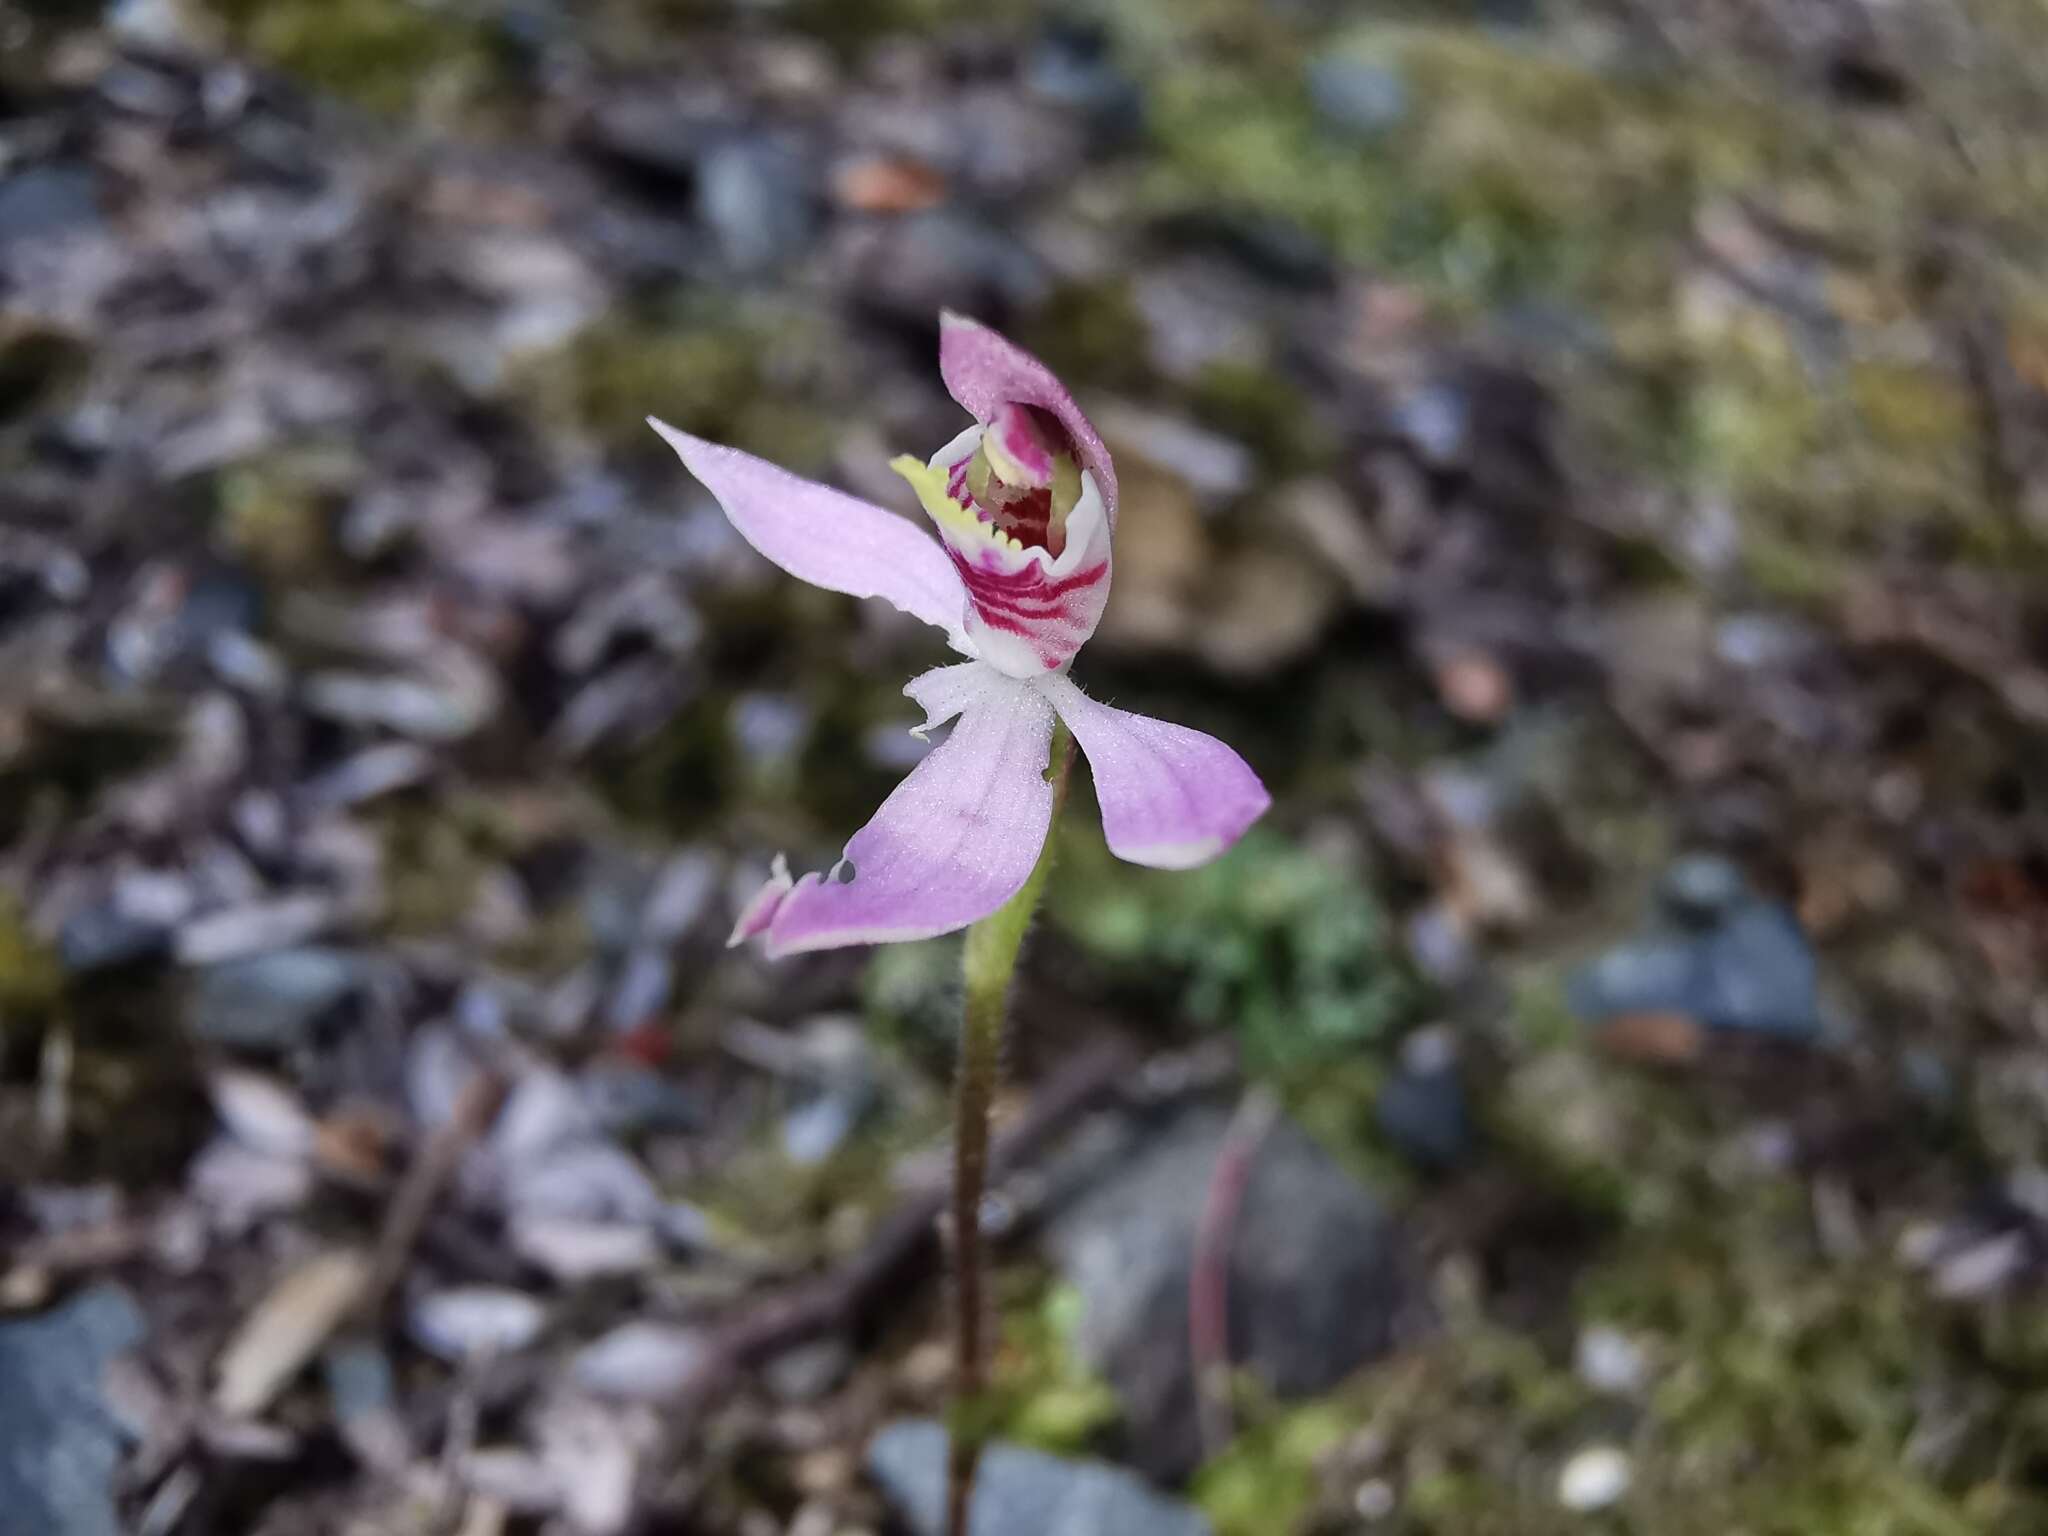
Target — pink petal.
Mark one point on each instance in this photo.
(955, 840)
(1171, 797)
(985, 372)
(826, 537)
(760, 911)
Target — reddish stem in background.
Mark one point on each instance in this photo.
(1209, 1278)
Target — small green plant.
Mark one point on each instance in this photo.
(1271, 941)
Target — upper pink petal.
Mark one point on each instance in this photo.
(955, 840)
(985, 372)
(1171, 797)
(826, 537)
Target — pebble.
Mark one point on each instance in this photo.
(757, 197)
(1595, 1478)
(1021, 1492)
(1609, 1361)
(1359, 98)
(641, 1361)
(1421, 1107)
(1720, 957)
(272, 1002)
(475, 1322)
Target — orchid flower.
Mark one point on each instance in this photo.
(1024, 504)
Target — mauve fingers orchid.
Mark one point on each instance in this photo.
(1024, 502)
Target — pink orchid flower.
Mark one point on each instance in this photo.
(1024, 501)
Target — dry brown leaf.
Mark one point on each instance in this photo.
(287, 1329)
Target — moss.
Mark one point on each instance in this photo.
(735, 372)
(1267, 1482)
(385, 55)
(277, 514)
(30, 980)
(1263, 408)
(1045, 1396)
(1269, 941)
(1090, 330)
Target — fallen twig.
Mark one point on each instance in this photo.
(424, 1180)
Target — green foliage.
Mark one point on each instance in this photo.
(731, 371)
(1269, 941)
(1265, 1481)
(1044, 1396)
(386, 55)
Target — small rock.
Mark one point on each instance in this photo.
(1072, 67)
(261, 1113)
(104, 938)
(475, 1322)
(572, 1251)
(365, 1398)
(239, 1186)
(1359, 98)
(60, 1441)
(809, 1371)
(641, 991)
(1595, 1478)
(1215, 467)
(255, 928)
(1762, 975)
(49, 200)
(641, 1362)
(1421, 1107)
(1728, 960)
(1020, 1492)
(1313, 1284)
(756, 195)
(945, 258)
(272, 1002)
(628, 1099)
(588, 1181)
(1608, 1360)
(682, 893)
(1701, 888)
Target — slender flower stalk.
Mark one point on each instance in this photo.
(988, 962)
(1024, 502)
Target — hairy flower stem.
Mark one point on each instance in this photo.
(989, 960)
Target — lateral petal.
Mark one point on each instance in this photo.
(954, 841)
(1171, 797)
(826, 537)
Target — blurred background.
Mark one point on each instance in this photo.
(1590, 455)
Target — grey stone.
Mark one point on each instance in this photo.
(104, 938)
(49, 200)
(757, 198)
(1314, 1275)
(272, 1002)
(1070, 66)
(1761, 975)
(807, 1372)
(1724, 958)
(947, 259)
(1421, 1108)
(1359, 98)
(60, 1442)
(1701, 887)
(1020, 1492)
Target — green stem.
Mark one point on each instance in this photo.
(988, 961)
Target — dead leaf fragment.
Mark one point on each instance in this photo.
(287, 1329)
